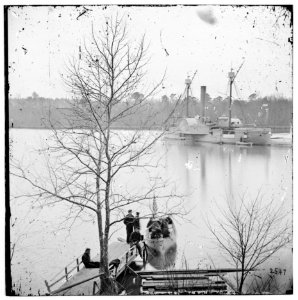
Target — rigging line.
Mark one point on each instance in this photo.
(193, 76)
(237, 91)
(238, 70)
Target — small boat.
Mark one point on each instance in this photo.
(161, 242)
(244, 143)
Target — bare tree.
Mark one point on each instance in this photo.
(89, 156)
(250, 233)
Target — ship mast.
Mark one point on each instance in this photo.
(188, 82)
(232, 77)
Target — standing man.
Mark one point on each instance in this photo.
(136, 223)
(129, 222)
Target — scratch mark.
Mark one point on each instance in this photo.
(189, 165)
(25, 50)
(268, 41)
(166, 51)
(81, 14)
(239, 159)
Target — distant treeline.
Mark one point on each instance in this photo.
(35, 112)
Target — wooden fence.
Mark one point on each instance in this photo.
(64, 274)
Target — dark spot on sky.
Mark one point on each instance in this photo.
(25, 50)
(207, 16)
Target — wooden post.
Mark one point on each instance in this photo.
(78, 265)
(66, 275)
(95, 285)
(48, 287)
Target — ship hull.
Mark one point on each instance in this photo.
(255, 136)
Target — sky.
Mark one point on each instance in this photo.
(182, 40)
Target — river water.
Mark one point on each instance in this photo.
(208, 176)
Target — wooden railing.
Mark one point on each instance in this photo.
(125, 259)
(64, 274)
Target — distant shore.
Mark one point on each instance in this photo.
(157, 128)
(274, 129)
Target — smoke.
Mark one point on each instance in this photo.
(207, 16)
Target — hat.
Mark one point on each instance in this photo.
(137, 213)
(129, 210)
(87, 249)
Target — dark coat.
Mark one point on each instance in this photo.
(129, 220)
(88, 263)
(86, 258)
(136, 223)
(135, 237)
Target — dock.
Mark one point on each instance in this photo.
(75, 279)
(185, 282)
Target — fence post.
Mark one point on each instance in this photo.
(95, 285)
(48, 287)
(78, 265)
(66, 275)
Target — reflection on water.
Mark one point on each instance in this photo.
(206, 169)
(162, 260)
(214, 175)
(207, 173)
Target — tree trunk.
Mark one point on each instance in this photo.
(107, 285)
(241, 284)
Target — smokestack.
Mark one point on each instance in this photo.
(203, 100)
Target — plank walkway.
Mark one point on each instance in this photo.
(86, 281)
(82, 283)
(184, 282)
